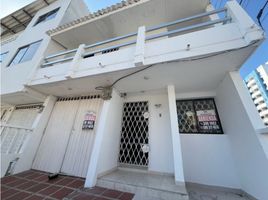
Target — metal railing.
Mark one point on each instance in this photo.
(14, 138)
(206, 24)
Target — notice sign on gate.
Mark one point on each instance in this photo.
(89, 120)
(207, 120)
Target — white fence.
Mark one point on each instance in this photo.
(14, 138)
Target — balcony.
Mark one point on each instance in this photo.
(258, 100)
(9, 39)
(186, 41)
(251, 82)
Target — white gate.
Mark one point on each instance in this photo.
(16, 132)
(65, 147)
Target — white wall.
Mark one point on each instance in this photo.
(160, 155)
(249, 156)
(205, 155)
(207, 159)
(14, 77)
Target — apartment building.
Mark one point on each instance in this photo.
(257, 83)
(142, 96)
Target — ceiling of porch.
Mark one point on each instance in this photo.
(127, 20)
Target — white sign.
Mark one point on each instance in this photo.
(89, 120)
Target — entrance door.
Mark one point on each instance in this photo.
(134, 149)
(65, 146)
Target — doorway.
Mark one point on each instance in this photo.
(134, 144)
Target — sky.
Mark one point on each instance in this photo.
(251, 6)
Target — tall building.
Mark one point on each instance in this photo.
(143, 96)
(257, 83)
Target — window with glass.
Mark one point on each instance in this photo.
(3, 56)
(198, 116)
(48, 16)
(25, 53)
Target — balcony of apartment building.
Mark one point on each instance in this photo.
(104, 46)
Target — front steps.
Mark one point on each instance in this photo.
(146, 186)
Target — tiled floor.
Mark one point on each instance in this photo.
(34, 185)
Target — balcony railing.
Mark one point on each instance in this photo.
(14, 138)
(93, 49)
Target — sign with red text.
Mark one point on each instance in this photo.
(89, 120)
(207, 120)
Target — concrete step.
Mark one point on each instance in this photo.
(145, 186)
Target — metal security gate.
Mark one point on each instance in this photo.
(18, 128)
(134, 149)
(66, 147)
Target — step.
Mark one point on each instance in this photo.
(145, 186)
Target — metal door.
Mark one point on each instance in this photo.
(50, 154)
(65, 147)
(78, 153)
(134, 149)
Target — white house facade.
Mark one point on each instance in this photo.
(142, 90)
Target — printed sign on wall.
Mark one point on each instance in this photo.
(207, 120)
(89, 120)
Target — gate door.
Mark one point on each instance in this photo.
(66, 146)
(134, 149)
(13, 139)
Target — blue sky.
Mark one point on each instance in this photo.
(251, 6)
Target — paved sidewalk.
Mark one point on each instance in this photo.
(200, 192)
(34, 185)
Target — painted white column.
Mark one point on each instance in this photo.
(104, 157)
(176, 143)
(78, 56)
(91, 177)
(39, 125)
(140, 46)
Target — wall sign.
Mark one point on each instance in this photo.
(89, 120)
(207, 120)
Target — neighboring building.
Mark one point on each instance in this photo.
(142, 96)
(257, 83)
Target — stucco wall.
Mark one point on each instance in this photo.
(249, 156)
(207, 159)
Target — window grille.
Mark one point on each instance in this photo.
(198, 116)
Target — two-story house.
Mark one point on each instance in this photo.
(142, 96)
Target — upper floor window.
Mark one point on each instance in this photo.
(3, 56)
(25, 53)
(198, 116)
(48, 16)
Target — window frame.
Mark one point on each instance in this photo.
(1, 54)
(19, 49)
(46, 15)
(216, 113)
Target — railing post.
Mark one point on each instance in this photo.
(250, 31)
(74, 64)
(140, 46)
